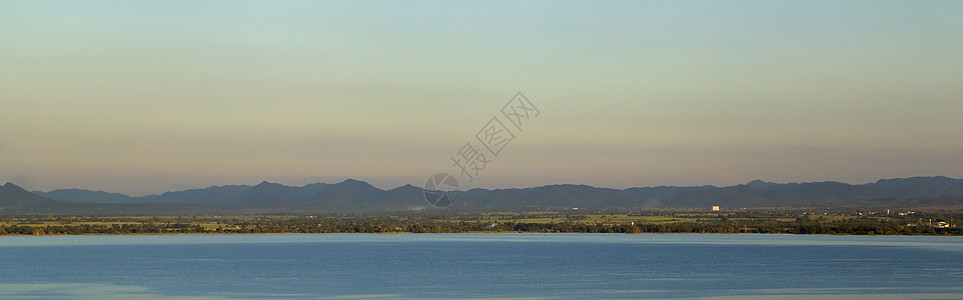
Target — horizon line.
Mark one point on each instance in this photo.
(490, 189)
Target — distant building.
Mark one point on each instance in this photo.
(942, 225)
(715, 208)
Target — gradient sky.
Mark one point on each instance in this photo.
(142, 97)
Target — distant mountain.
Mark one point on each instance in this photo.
(314, 188)
(405, 197)
(228, 194)
(273, 194)
(355, 195)
(760, 183)
(348, 193)
(16, 200)
(79, 195)
(799, 194)
(919, 186)
(563, 195)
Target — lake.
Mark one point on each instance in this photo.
(577, 266)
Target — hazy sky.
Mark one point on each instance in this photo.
(141, 97)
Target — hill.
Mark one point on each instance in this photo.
(359, 196)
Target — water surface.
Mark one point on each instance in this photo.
(615, 266)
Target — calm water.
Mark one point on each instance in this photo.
(294, 266)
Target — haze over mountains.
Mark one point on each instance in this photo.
(358, 196)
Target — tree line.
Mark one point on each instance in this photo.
(391, 224)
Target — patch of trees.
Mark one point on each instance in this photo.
(733, 223)
(102, 229)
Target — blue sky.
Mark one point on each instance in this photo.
(143, 97)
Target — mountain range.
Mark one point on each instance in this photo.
(358, 196)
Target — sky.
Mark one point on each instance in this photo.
(142, 97)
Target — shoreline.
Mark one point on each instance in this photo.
(654, 222)
(466, 233)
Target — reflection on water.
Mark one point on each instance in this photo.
(111, 292)
(80, 291)
(842, 297)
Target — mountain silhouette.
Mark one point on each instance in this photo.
(16, 200)
(274, 194)
(355, 195)
(228, 194)
(81, 195)
(348, 193)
